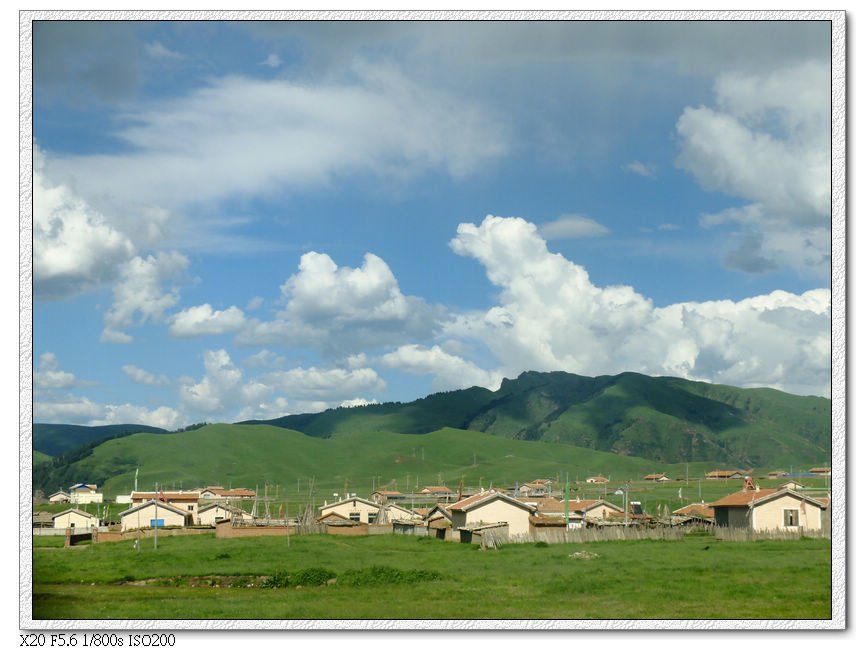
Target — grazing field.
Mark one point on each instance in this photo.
(394, 577)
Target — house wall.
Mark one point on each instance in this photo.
(346, 508)
(141, 518)
(770, 514)
(731, 517)
(601, 511)
(66, 521)
(493, 512)
(86, 497)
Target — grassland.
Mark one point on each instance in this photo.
(396, 577)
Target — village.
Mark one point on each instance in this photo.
(533, 510)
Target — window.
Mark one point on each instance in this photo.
(190, 508)
(370, 518)
(354, 516)
(791, 517)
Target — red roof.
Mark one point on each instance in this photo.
(744, 497)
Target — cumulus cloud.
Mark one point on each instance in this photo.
(330, 386)
(767, 141)
(81, 410)
(140, 376)
(203, 320)
(139, 295)
(49, 375)
(573, 226)
(272, 60)
(450, 372)
(75, 248)
(550, 316)
(343, 309)
(222, 388)
(223, 393)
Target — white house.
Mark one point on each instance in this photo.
(59, 497)
(75, 519)
(185, 501)
(492, 507)
(769, 510)
(84, 493)
(152, 514)
(209, 515)
(353, 508)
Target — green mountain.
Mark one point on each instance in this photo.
(55, 439)
(302, 465)
(662, 419)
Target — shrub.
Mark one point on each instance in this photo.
(376, 576)
(311, 577)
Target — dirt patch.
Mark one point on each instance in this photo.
(213, 582)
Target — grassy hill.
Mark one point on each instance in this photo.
(250, 455)
(55, 439)
(662, 419)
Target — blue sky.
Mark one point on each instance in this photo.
(239, 220)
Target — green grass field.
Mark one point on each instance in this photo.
(396, 577)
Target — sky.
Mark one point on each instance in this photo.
(242, 220)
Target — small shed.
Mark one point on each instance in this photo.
(153, 514)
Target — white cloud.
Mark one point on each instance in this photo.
(768, 142)
(255, 303)
(203, 320)
(573, 226)
(222, 389)
(139, 293)
(272, 60)
(243, 136)
(330, 386)
(551, 317)
(357, 401)
(81, 410)
(343, 309)
(450, 372)
(75, 248)
(263, 359)
(158, 51)
(641, 169)
(49, 375)
(140, 376)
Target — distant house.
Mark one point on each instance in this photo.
(821, 471)
(778, 473)
(656, 477)
(769, 510)
(395, 512)
(537, 488)
(692, 514)
(75, 519)
(82, 493)
(217, 493)
(792, 485)
(353, 508)
(439, 491)
(492, 507)
(59, 497)
(210, 514)
(593, 511)
(597, 479)
(386, 496)
(154, 514)
(185, 501)
(725, 474)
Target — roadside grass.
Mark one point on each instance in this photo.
(396, 577)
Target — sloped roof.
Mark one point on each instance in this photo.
(159, 504)
(434, 489)
(372, 504)
(745, 498)
(696, 509)
(75, 511)
(476, 500)
(167, 496)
